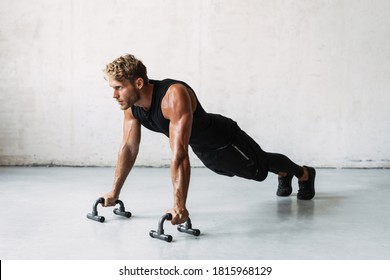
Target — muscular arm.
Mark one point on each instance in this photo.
(178, 107)
(126, 157)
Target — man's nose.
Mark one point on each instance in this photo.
(115, 95)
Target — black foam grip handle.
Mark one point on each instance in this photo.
(100, 200)
(121, 205)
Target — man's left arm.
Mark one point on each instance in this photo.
(178, 108)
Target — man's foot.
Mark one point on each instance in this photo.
(284, 187)
(306, 188)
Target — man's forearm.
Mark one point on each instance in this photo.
(125, 162)
(180, 174)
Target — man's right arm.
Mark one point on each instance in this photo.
(126, 157)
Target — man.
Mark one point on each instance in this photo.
(171, 107)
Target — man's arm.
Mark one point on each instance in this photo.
(126, 157)
(178, 107)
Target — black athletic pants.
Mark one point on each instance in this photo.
(243, 157)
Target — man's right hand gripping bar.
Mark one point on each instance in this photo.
(118, 211)
(186, 228)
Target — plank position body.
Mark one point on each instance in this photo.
(171, 107)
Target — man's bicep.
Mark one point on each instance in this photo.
(180, 121)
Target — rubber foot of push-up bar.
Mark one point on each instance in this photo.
(185, 228)
(118, 211)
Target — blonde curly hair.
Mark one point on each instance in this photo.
(126, 67)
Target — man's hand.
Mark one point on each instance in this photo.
(109, 199)
(179, 216)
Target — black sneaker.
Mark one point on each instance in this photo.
(306, 188)
(284, 186)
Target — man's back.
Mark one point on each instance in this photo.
(209, 131)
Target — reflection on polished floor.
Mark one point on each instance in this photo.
(43, 216)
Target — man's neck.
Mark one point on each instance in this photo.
(146, 97)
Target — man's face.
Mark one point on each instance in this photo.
(125, 93)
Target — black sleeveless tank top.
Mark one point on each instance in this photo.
(209, 131)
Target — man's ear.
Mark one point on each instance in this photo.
(139, 83)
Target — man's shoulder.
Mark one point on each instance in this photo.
(167, 81)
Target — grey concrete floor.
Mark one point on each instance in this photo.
(43, 216)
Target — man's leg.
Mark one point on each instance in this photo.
(278, 164)
(243, 157)
(286, 170)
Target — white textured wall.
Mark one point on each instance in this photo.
(307, 78)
